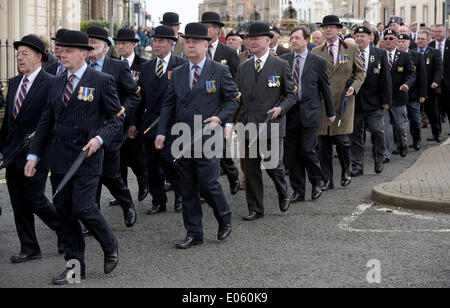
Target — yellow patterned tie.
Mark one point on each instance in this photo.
(160, 69)
(258, 66)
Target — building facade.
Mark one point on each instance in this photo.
(430, 12)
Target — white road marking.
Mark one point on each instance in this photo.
(447, 142)
(345, 224)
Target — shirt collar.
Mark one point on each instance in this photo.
(303, 55)
(200, 65)
(367, 50)
(275, 48)
(215, 44)
(167, 58)
(335, 44)
(100, 61)
(33, 75)
(264, 57)
(130, 59)
(78, 73)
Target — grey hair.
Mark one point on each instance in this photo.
(425, 32)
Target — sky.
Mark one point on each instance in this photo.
(187, 9)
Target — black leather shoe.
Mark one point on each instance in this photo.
(130, 216)
(143, 193)
(284, 204)
(23, 257)
(61, 280)
(178, 203)
(327, 186)
(189, 242)
(114, 203)
(379, 168)
(111, 259)
(234, 187)
(433, 138)
(404, 151)
(356, 173)
(253, 216)
(346, 180)
(416, 146)
(386, 161)
(296, 197)
(438, 139)
(157, 209)
(60, 245)
(224, 232)
(396, 151)
(316, 192)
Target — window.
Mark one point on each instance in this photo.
(413, 14)
(425, 14)
(402, 12)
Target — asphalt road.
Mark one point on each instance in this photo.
(316, 244)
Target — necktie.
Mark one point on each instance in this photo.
(196, 76)
(441, 50)
(297, 70)
(330, 52)
(94, 65)
(21, 97)
(160, 69)
(249, 54)
(363, 57)
(69, 90)
(60, 69)
(390, 60)
(258, 66)
(210, 47)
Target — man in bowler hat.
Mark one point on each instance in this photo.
(171, 19)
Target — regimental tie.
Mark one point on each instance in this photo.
(196, 76)
(330, 52)
(21, 97)
(391, 62)
(363, 57)
(69, 90)
(160, 68)
(60, 69)
(297, 70)
(258, 66)
(210, 47)
(248, 54)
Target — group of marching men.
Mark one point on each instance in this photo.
(120, 112)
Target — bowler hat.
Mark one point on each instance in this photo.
(390, 32)
(362, 29)
(59, 34)
(259, 29)
(35, 43)
(75, 39)
(196, 30)
(98, 33)
(332, 20)
(170, 19)
(126, 35)
(212, 18)
(165, 32)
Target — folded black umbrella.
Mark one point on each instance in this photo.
(73, 169)
(23, 146)
(152, 126)
(345, 101)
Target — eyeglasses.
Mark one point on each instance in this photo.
(23, 54)
(389, 38)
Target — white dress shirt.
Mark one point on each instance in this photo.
(214, 48)
(263, 59)
(31, 80)
(130, 59)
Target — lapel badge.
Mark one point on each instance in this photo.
(372, 59)
(428, 61)
(169, 74)
(135, 75)
(224, 62)
(211, 86)
(400, 69)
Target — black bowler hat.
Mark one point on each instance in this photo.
(126, 35)
(170, 19)
(390, 32)
(363, 29)
(33, 42)
(332, 20)
(404, 37)
(165, 32)
(196, 30)
(98, 33)
(234, 33)
(59, 34)
(212, 18)
(275, 29)
(75, 39)
(259, 29)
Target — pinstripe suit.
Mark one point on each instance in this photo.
(70, 129)
(27, 194)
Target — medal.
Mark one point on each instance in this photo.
(85, 96)
(80, 94)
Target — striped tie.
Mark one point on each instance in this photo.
(21, 97)
(297, 70)
(93, 65)
(390, 61)
(258, 66)
(440, 50)
(69, 90)
(363, 57)
(210, 47)
(330, 52)
(196, 76)
(160, 68)
(60, 69)
(248, 54)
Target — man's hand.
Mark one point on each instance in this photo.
(331, 121)
(275, 112)
(132, 132)
(434, 85)
(30, 168)
(350, 91)
(386, 106)
(228, 134)
(159, 142)
(213, 122)
(404, 88)
(93, 146)
(422, 100)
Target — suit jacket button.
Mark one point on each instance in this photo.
(74, 141)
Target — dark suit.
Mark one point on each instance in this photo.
(304, 119)
(27, 194)
(132, 152)
(375, 92)
(444, 105)
(257, 99)
(69, 129)
(434, 70)
(415, 93)
(153, 91)
(199, 175)
(129, 97)
(53, 68)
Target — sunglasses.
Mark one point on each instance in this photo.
(389, 38)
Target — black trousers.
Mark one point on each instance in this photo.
(28, 199)
(301, 146)
(255, 185)
(112, 178)
(132, 155)
(201, 176)
(343, 147)
(76, 203)
(156, 177)
(445, 102)
(431, 109)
